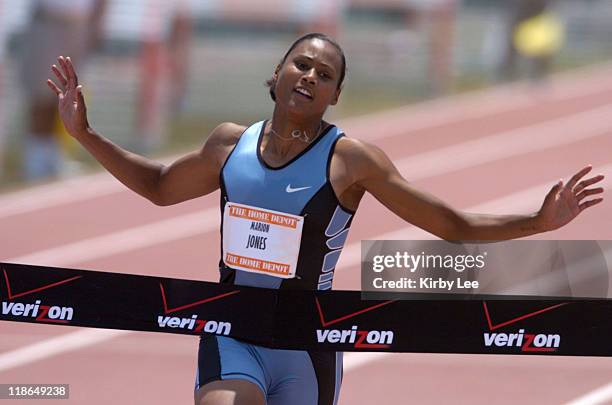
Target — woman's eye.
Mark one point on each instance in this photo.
(301, 65)
(324, 75)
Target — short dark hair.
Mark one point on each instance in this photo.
(312, 35)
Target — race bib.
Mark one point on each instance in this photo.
(262, 241)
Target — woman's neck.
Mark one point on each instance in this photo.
(286, 134)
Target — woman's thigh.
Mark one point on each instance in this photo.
(229, 392)
(228, 372)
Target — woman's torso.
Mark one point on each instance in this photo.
(300, 188)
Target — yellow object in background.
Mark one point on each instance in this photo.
(70, 146)
(539, 36)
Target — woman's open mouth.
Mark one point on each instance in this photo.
(303, 92)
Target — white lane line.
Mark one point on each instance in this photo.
(63, 192)
(56, 345)
(461, 108)
(477, 104)
(54, 194)
(533, 138)
(354, 360)
(387, 124)
(127, 240)
(599, 396)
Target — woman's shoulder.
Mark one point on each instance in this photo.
(221, 141)
(226, 133)
(356, 149)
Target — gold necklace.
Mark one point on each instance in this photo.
(298, 134)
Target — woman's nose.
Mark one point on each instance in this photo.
(310, 76)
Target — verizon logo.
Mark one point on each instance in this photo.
(194, 324)
(360, 339)
(38, 311)
(42, 313)
(527, 342)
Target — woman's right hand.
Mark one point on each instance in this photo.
(71, 104)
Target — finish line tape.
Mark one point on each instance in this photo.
(304, 320)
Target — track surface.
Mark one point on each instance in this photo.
(498, 151)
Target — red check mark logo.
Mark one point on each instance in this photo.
(520, 318)
(325, 323)
(193, 304)
(42, 288)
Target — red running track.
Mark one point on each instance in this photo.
(497, 151)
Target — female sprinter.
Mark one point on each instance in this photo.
(297, 164)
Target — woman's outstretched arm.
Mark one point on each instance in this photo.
(374, 172)
(191, 176)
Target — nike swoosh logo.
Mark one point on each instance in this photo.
(293, 190)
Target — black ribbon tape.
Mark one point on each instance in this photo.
(304, 320)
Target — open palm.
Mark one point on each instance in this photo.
(71, 105)
(563, 203)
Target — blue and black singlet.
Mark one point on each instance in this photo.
(247, 179)
(299, 187)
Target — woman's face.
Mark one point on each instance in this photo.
(307, 83)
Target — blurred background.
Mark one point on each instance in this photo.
(159, 75)
(465, 97)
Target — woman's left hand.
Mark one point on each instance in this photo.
(563, 203)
